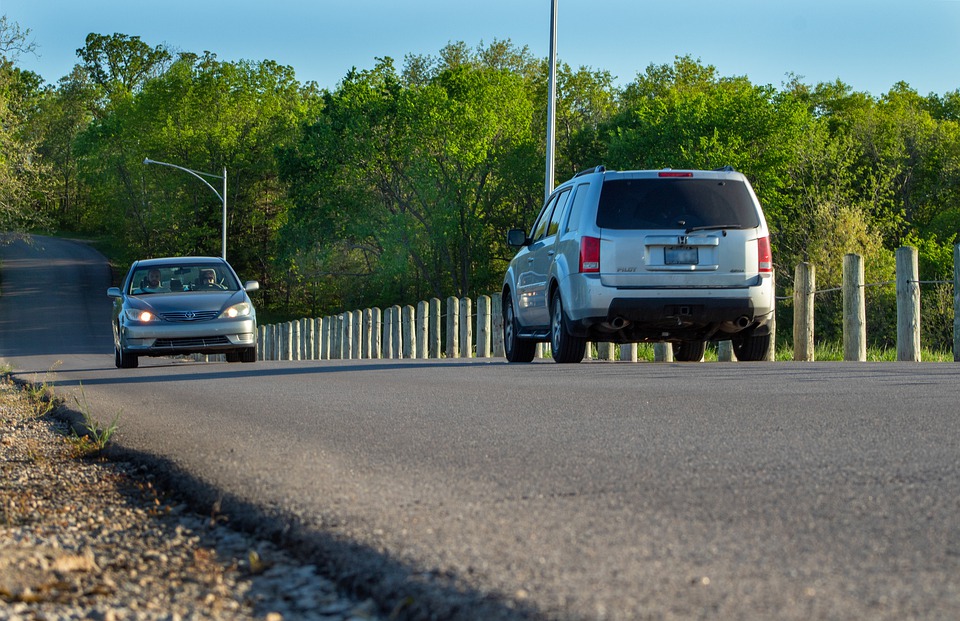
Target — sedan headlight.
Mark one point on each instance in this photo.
(140, 315)
(242, 309)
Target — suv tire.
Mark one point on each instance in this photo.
(515, 348)
(689, 351)
(566, 347)
(751, 348)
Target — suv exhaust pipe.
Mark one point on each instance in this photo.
(618, 323)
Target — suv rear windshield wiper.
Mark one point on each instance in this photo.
(713, 227)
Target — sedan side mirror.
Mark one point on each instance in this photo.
(517, 237)
(114, 292)
(251, 285)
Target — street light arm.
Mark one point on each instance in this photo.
(195, 173)
(222, 197)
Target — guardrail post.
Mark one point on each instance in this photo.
(956, 303)
(804, 289)
(433, 331)
(631, 349)
(397, 333)
(605, 351)
(466, 328)
(453, 327)
(772, 350)
(422, 329)
(295, 343)
(725, 351)
(376, 327)
(365, 332)
(496, 310)
(908, 305)
(854, 310)
(484, 322)
(388, 332)
(347, 335)
(663, 352)
(357, 321)
(408, 330)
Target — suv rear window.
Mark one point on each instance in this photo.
(675, 203)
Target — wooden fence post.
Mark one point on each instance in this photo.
(366, 328)
(434, 333)
(422, 329)
(484, 321)
(804, 288)
(496, 310)
(453, 327)
(854, 310)
(772, 350)
(606, 351)
(376, 333)
(956, 303)
(466, 328)
(663, 352)
(908, 305)
(357, 327)
(408, 331)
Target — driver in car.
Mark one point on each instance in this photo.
(208, 280)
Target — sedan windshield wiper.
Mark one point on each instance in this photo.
(713, 227)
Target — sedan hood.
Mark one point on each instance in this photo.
(196, 301)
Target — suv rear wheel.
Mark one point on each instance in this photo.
(689, 351)
(515, 348)
(751, 348)
(565, 346)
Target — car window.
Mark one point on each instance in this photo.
(576, 207)
(181, 279)
(675, 203)
(543, 221)
(558, 212)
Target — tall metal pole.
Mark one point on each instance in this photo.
(224, 246)
(551, 102)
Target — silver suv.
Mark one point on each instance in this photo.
(681, 256)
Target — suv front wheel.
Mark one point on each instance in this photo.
(565, 346)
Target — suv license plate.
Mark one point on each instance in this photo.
(681, 255)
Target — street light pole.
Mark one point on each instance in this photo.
(551, 102)
(222, 197)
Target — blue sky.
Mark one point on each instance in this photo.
(869, 45)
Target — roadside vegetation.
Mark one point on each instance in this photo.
(399, 183)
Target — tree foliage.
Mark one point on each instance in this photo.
(399, 184)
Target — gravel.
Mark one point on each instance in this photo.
(88, 538)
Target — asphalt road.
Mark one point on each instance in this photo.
(475, 490)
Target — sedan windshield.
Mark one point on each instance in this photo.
(180, 279)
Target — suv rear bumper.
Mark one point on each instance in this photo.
(624, 315)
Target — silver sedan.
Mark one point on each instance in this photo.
(183, 305)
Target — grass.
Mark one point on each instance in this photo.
(95, 437)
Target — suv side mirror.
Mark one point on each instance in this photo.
(517, 237)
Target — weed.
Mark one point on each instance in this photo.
(95, 437)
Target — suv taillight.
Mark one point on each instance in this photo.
(589, 255)
(764, 257)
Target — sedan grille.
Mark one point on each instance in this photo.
(186, 343)
(190, 316)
